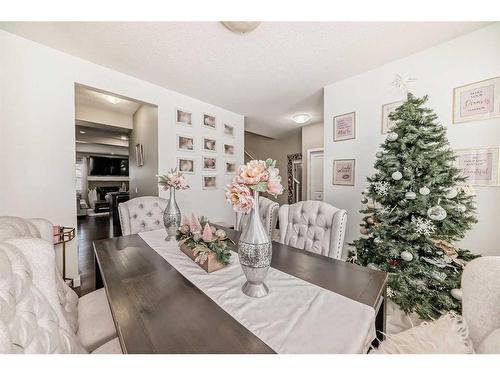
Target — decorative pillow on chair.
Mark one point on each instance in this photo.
(447, 335)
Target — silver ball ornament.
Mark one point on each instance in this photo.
(424, 190)
(450, 193)
(461, 208)
(370, 220)
(410, 195)
(406, 256)
(392, 136)
(397, 176)
(363, 231)
(456, 293)
(436, 213)
(364, 200)
(379, 154)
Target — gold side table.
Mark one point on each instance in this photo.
(64, 235)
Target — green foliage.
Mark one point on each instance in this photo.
(394, 224)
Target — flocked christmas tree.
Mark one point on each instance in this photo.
(417, 207)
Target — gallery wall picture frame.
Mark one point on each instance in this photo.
(228, 130)
(477, 101)
(209, 121)
(139, 155)
(209, 144)
(183, 117)
(186, 165)
(185, 143)
(228, 149)
(209, 182)
(344, 127)
(387, 124)
(230, 167)
(480, 166)
(209, 163)
(344, 172)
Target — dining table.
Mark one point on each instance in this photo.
(156, 309)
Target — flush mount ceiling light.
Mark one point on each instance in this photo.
(301, 118)
(241, 27)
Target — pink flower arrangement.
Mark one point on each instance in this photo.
(173, 179)
(256, 175)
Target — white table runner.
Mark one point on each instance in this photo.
(295, 317)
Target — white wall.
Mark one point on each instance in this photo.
(467, 59)
(37, 119)
(143, 179)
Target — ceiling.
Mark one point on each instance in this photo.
(104, 101)
(268, 75)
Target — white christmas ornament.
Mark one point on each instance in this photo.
(381, 187)
(364, 200)
(363, 231)
(397, 176)
(391, 137)
(461, 208)
(423, 226)
(379, 154)
(456, 293)
(406, 256)
(377, 240)
(424, 190)
(436, 213)
(450, 193)
(410, 195)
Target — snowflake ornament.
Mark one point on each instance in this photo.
(423, 226)
(381, 187)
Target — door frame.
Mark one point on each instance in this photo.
(309, 153)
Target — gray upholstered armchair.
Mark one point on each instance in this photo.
(268, 211)
(314, 226)
(141, 214)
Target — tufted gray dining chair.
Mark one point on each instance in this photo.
(141, 214)
(314, 226)
(268, 211)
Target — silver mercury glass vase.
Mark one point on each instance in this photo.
(171, 216)
(255, 252)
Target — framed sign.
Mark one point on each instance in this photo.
(185, 165)
(344, 127)
(479, 166)
(183, 117)
(208, 121)
(343, 172)
(387, 109)
(477, 101)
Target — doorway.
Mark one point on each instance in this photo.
(315, 174)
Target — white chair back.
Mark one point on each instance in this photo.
(141, 214)
(268, 211)
(481, 297)
(314, 226)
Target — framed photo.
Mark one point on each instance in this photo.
(185, 143)
(343, 172)
(209, 163)
(344, 127)
(477, 101)
(209, 144)
(209, 182)
(139, 155)
(183, 117)
(185, 165)
(229, 130)
(479, 166)
(387, 109)
(208, 121)
(228, 149)
(230, 167)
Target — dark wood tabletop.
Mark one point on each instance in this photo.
(157, 310)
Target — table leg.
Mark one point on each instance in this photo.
(98, 278)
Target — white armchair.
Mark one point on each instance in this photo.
(268, 211)
(141, 214)
(61, 322)
(314, 226)
(477, 330)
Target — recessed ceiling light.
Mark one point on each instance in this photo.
(241, 27)
(112, 99)
(301, 118)
(82, 132)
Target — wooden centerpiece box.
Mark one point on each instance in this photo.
(211, 264)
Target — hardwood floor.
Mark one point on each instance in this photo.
(89, 229)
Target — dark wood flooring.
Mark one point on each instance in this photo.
(91, 228)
